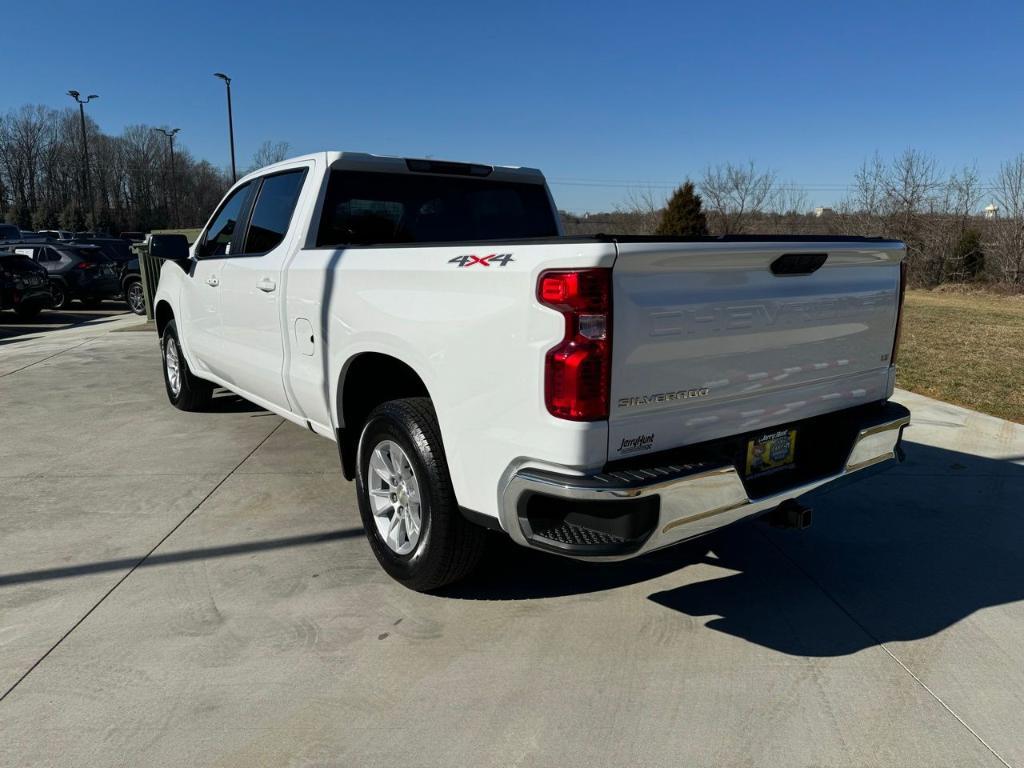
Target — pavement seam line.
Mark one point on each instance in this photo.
(50, 357)
(135, 567)
(880, 644)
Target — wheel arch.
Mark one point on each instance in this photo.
(368, 379)
(163, 314)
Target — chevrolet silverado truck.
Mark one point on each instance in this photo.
(594, 397)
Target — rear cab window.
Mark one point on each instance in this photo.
(375, 208)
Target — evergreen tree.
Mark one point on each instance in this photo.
(684, 214)
(969, 255)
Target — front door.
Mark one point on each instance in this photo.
(252, 293)
(200, 326)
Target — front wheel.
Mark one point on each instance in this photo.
(406, 500)
(186, 391)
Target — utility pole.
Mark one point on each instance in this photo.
(85, 152)
(174, 182)
(231, 125)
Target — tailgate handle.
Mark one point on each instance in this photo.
(798, 263)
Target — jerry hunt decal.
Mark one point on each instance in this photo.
(638, 443)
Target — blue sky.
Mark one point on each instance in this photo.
(606, 98)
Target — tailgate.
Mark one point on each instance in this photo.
(710, 342)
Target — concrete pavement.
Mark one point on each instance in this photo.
(194, 589)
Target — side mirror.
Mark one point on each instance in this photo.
(169, 247)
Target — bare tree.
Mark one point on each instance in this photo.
(639, 215)
(1008, 242)
(735, 194)
(897, 199)
(269, 152)
(41, 184)
(950, 218)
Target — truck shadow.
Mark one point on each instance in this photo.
(899, 556)
(226, 401)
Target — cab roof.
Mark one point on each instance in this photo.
(363, 161)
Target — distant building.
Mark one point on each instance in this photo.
(822, 212)
(991, 211)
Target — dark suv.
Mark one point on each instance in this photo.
(114, 248)
(126, 264)
(80, 272)
(24, 285)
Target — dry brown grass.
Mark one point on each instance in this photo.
(965, 348)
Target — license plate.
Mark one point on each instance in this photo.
(771, 451)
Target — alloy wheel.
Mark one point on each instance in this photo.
(394, 497)
(173, 365)
(136, 298)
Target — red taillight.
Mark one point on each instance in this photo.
(577, 376)
(85, 265)
(899, 312)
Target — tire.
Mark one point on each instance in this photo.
(29, 311)
(186, 391)
(58, 295)
(447, 547)
(135, 297)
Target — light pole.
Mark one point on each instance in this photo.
(85, 150)
(231, 125)
(174, 184)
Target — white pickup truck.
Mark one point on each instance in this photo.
(596, 397)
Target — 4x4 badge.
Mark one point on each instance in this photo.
(501, 259)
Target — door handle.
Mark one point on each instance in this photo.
(266, 285)
(212, 280)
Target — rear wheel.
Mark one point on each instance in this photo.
(406, 500)
(135, 297)
(58, 296)
(186, 391)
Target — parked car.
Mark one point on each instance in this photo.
(79, 272)
(596, 397)
(114, 248)
(133, 237)
(9, 233)
(24, 285)
(130, 277)
(57, 234)
(127, 266)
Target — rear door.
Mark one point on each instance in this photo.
(710, 340)
(251, 290)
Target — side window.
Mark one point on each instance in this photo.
(273, 211)
(224, 224)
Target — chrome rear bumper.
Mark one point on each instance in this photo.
(691, 499)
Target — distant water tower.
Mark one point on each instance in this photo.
(991, 211)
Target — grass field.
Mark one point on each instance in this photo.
(965, 348)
